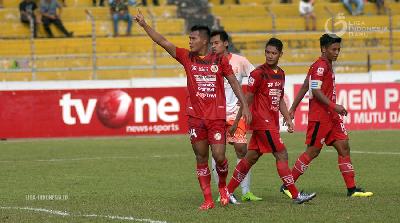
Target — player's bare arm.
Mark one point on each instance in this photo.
(286, 116)
(249, 99)
(239, 94)
(322, 98)
(155, 36)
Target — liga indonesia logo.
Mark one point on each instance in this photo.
(339, 22)
(339, 25)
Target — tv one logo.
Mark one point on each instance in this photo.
(116, 108)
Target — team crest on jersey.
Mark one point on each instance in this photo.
(320, 71)
(251, 81)
(217, 136)
(214, 68)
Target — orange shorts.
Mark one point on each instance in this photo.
(240, 133)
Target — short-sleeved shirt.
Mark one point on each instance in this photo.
(241, 68)
(27, 7)
(49, 7)
(322, 77)
(205, 83)
(267, 86)
(122, 5)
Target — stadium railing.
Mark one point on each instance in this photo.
(158, 65)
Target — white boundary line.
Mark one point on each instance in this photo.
(364, 152)
(64, 213)
(96, 158)
(169, 156)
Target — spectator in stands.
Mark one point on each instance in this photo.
(101, 3)
(221, 2)
(155, 2)
(306, 9)
(286, 1)
(359, 6)
(48, 10)
(27, 10)
(120, 11)
(380, 5)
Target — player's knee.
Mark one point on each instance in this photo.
(241, 152)
(342, 147)
(252, 157)
(201, 158)
(281, 156)
(313, 152)
(252, 160)
(219, 159)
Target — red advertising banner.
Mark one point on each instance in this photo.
(370, 106)
(96, 112)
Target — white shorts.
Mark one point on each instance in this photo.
(305, 7)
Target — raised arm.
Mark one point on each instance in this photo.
(155, 36)
(239, 94)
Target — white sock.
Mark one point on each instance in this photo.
(245, 184)
(214, 171)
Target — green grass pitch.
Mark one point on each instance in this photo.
(152, 179)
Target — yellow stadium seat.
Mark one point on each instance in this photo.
(243, 2)
(396, 22)
(284, 10)
(256, 24)
(289, 24)
(139, 73)
(64, 75)
(16, 76)
(394, 7)
(239, 11)
(57, 62)
(9, 14)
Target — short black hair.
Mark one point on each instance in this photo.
(276, 43)
(328, 39)
(222, 35)
(203, 30)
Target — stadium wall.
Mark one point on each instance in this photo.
(157, 106)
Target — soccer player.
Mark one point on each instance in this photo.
(265, 97)
(325, 124)
(205, 104)
(236, 126)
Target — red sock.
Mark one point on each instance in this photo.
(222, 171)
(239, 174)
(300, 166)
(204, 176)
(287, 178)
(347, 170)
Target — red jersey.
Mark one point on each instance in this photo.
(321, 76)
(268, 89)
(205, 83)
